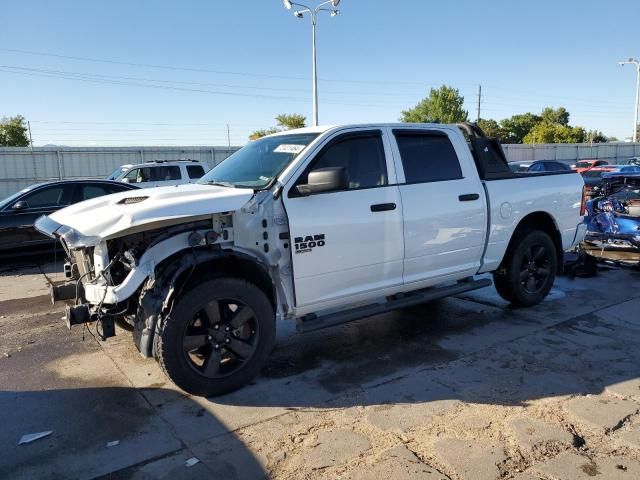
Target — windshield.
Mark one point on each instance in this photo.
(258, 163)
(583, 164)
(116, 173)
(10, 199)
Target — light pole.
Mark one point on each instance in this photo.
(313, 12)
(633, 61)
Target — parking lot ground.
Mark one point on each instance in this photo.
(464, 388)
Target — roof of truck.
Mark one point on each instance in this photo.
(325, 128)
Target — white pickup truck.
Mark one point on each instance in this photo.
(318, 225)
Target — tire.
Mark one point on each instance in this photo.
(528, 270)
(208, 348)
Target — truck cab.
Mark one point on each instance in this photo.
(319, 226)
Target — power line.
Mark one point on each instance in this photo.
(201, 70)
(183, 82)
(184, 89)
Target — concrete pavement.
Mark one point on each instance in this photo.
(465, 388)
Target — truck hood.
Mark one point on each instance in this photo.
(133, 211)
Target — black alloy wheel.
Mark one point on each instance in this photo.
(535, 269)
(221, 337)
(217, 337)
(528, 269)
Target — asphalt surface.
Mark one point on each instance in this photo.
(464, 388)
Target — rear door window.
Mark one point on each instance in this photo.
(92, 190)
(164, 173)
(195, 171)
(427, 157)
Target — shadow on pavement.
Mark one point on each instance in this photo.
(83, 421)
(458, 350)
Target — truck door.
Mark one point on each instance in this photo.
(443, 206)
(349, 242)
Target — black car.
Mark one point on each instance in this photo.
(19, 212)
(539, 166)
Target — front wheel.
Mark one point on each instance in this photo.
(217, 337)
(528, 270)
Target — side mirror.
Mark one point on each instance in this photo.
(325, 180)
(20, 205)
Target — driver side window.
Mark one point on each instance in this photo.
(46, 197)
(132, 175)
(360, 154)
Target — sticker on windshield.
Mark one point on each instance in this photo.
(289, 148)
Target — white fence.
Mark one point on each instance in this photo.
(20, 167)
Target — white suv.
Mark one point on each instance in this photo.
(160, 173)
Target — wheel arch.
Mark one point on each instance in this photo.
(545, 222)
(187, 268)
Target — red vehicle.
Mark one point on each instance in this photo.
(584, 165)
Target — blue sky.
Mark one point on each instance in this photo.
(242, 63)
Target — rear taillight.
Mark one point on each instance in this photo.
(583, 203)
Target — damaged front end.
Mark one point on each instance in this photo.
(116, 246)
(613, 222)
(110, 281)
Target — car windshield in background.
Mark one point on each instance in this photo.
(116, 174)
(258, 163)
(583, 164)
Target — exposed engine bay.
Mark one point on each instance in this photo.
(613, 222)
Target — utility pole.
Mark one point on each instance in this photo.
(228, 135)
(30, 138)
(633, 61)
(479, 101)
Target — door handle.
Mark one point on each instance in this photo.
(469, 197)
(383, 207)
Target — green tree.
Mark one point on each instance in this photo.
(289, 122)
(491, 128)
(545, 132)
(518, 126)
(443, 105)
(285, 122)
(558, 116)
(263, 133)
(595, 136)
(13, 132)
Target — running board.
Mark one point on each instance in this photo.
(311, 323)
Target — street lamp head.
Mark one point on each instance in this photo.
(287, 4)
(298, 14)
(335, 13)
(335, 3)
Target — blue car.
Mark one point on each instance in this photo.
(613, 220)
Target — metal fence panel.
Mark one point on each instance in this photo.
(20, 167)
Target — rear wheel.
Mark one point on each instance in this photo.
(218, 337)
(528, 270)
